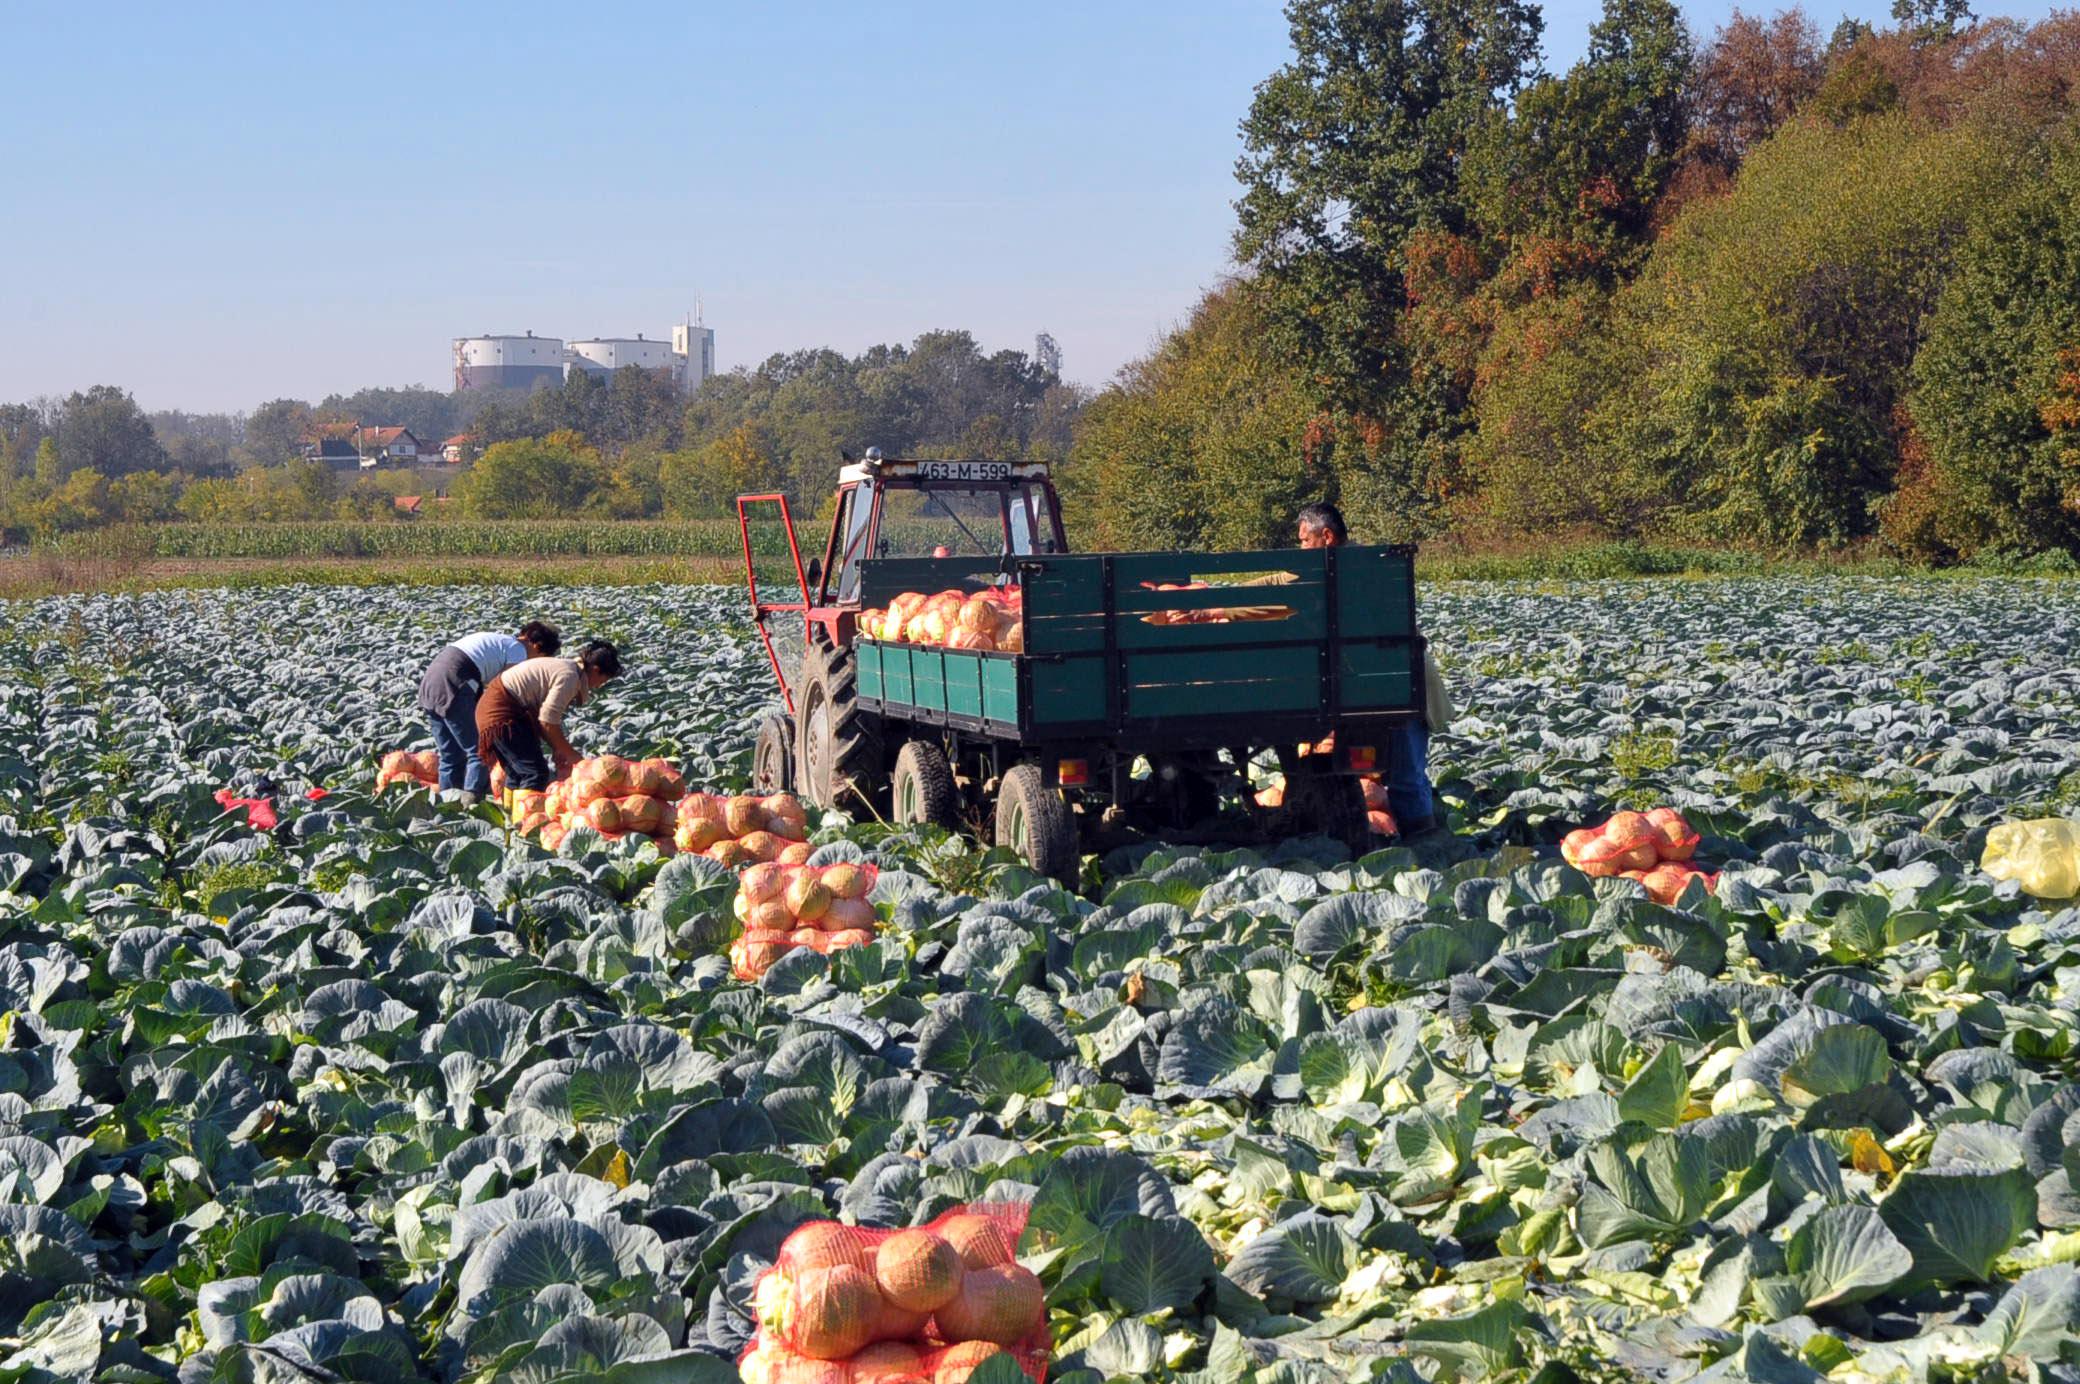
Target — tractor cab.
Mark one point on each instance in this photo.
(889, 507)
(806, 609)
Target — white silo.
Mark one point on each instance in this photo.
(508, 362)
(610, 353)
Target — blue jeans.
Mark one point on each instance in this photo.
(455, 740)
(1407, 777)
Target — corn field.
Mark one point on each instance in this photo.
(483, 538)
(480, 538)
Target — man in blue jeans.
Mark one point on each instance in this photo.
(451, 685)
(1407, 750)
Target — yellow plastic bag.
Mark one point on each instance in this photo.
(2043, 856)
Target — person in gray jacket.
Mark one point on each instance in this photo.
(451, 685)
(1407, 769)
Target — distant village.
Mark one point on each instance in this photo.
(356, 446)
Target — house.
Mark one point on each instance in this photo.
(379, 445)
(460, 448)
(332, 444)
(352, 445)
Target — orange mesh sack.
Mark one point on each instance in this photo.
(928, 1303)
(1652, 849)
(410, 769)
(1666, 882)
(656, 778)
(1630, 841)
(822, 907)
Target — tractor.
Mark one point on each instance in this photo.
(1146, 692)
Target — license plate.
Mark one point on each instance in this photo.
(973, 471)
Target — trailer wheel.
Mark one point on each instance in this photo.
(838, 747)
(772, 755)
(1035, 821)
(922, 788)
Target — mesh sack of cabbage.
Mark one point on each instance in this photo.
(845, 1305)
(613, 796)
(421, 769)
(743, 830)
(1652, 849)
(784, 906)
(992, 619)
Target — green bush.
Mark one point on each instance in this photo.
(1779, 325)
(1997, 383)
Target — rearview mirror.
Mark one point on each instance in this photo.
(815, 570)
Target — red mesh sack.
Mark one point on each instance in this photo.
(260, 815)
(925, 1303)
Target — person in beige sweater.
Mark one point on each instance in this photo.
(523, 710)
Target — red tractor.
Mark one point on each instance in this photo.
(1144, 686)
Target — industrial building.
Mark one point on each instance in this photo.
(534, 362)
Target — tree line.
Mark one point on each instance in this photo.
(1775, 290)
(624, 446)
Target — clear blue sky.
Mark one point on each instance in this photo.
(221, 203)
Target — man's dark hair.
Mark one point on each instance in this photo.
(598, 656)
(1325, 516)
(543, 636)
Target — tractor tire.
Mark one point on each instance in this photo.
(1036, 821)
(838, 757)
(922, 788)
(772, 755)
(1328, 805)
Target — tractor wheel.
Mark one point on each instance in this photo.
(772, 755)
(922, 787)
(1036, 821)
(1325, 805)
(838, 759)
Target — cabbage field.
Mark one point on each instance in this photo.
(390, 1094)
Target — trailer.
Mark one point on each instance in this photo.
(1145, 690)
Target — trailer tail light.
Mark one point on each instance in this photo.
(1364, 759)
(1074, 773)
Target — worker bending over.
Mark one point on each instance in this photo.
(1407, 750)
(452, 684)
(523, 709)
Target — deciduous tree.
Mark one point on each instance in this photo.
(102, 429)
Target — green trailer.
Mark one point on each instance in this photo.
(1105, 661)
(1147, 694)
